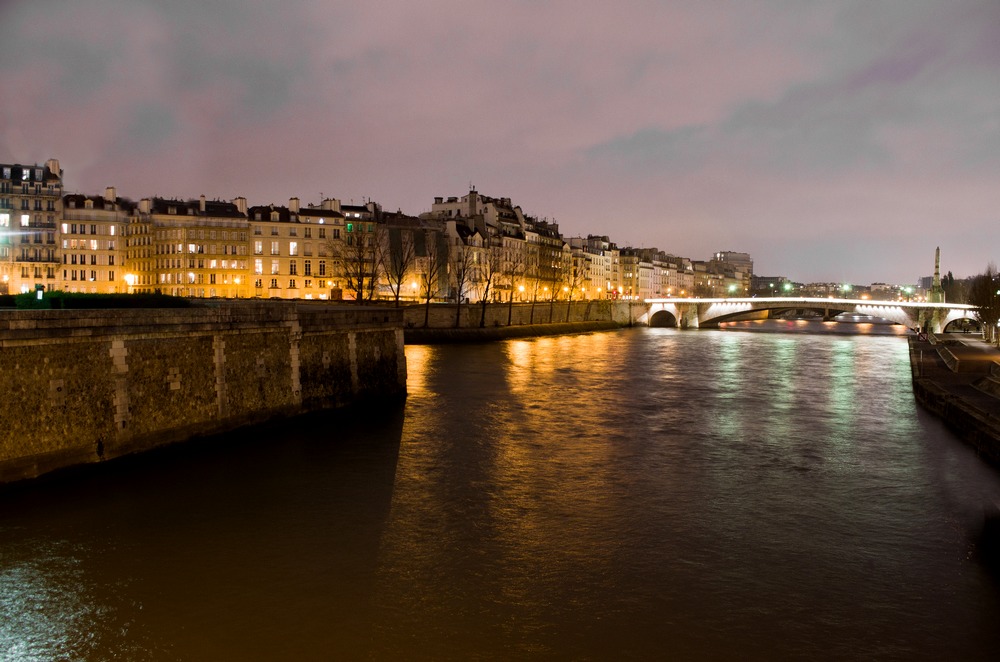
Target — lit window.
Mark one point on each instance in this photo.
(293, 248)
(24, 220)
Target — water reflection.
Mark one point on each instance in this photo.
(637, 494)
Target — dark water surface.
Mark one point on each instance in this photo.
(643, 494)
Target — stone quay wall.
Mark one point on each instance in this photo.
(82, 386)
(469, 315)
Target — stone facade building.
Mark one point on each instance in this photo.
(471, 247)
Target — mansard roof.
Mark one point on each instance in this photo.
(17, 171)
(285, 215)
(79, 201)
(313, 212)
(213, 208)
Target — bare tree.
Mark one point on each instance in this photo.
(513, 270)
(984, 294)
(433, 262)
(488, 271)
(575, 278)
(397, 255)
(464, 271)
(350, 264)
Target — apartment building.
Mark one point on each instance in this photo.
(92, 243)
(192, 248)
(30, 206)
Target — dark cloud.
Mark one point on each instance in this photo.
(150, 126)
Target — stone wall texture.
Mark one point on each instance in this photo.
(84, 386)
(469, 316)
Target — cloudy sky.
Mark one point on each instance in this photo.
(833, 140)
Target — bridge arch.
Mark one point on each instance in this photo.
(696, 313)
(961, 324)
(662, 319)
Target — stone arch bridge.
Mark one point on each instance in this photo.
(703, 313)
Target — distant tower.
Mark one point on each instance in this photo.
(936, 294)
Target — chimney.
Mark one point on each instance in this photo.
(293, 205)
(473, 202)
(145, 205)
(201, 204)
(53, 166)
(241, 204)
(110, 195)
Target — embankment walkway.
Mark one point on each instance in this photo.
(957, 377)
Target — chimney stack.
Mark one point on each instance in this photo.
(293, 205)
(110, 195)
(201, 204)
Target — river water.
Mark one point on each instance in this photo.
(642, 494)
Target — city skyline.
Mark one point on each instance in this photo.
(834, 142)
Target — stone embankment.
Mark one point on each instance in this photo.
(957, 377)
(85, 386)
(469, 323)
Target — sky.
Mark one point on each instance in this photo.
(833, 140)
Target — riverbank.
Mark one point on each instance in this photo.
(88, 386)
(958, 380)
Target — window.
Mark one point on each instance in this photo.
(308, 233)
(336, 233)
(93, 229)
(5, 219)
(274, 248)
(292, 269)
(292, 232)
(322, 233)
(322, 267)
(293, 248)
(291, 284)
(308, 271)
(258, 247)
(24, 220)
(274, 283)
(274, 230)
(258, 267)
(274, 267)
(256, 228)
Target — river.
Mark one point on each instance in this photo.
(640, 494)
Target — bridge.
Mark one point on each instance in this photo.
(703, 313)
